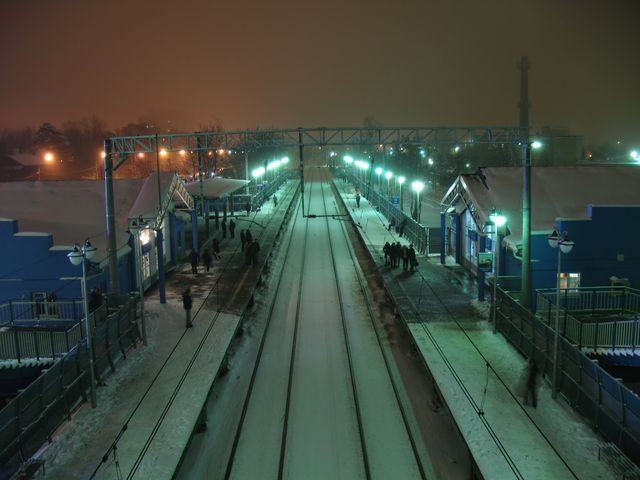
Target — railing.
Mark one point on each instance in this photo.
(21, 311)
(36, 340)
(612, 408)
(592, 333)
(620, 300)
(33, 415)
(423, 238)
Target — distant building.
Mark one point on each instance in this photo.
(598, 207)
(12, 170)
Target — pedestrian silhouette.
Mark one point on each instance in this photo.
(207, 259)
(243, 238)
(215, 245)
(223, 225)
(247, 207)
(532, 380)
(187, 303)
(357, 200)
(193, 258)
(232, 228)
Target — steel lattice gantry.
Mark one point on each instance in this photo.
(118, 149)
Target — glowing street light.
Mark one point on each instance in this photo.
(417, 187)
(183, 153)
(635, 155)
(284, 160)
(348, 159)
(536, 144)
(140, 155)
(258, 172)
(378, 173)
(401, 181)
(163, 152)
(388, 176)
(430, 161)
(48, 156)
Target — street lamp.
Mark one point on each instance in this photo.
(378, 173)
(143, 237)
(564, 245)
(417, 187)
(388, 176)
(401, 180)
(78, 256)
(498, 220)
(635, 155)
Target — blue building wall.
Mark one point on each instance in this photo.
(30, 263)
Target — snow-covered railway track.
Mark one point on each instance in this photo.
(322, 401)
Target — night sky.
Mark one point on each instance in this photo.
(295, 63)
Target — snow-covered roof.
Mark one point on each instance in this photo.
(556, 192)
(154, 187)
(71, 210)
(216, 187)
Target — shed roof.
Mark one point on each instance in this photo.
(556, 192)
(216, 187)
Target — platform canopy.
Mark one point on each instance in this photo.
(216, 187)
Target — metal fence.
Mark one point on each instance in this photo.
(612, 408)
(593, 332)
(426, 240)
(41, 339)
(32, 416)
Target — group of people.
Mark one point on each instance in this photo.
(207, 257)
(250, 247)
(394, 252)
(232, 228)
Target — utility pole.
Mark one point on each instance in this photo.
(112, 249)
(526, 181)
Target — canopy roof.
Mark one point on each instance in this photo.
(216, 187)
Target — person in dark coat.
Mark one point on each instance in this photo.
(243, 238)
(255, 248)
(413, 261)
(193, 258)
(387, 252)
(215, 246)
(397, 254)
(275, 200)
(357, 200)
(232, 228)
(405, 258)
(207, 259)
(187, 304)
(403, 225)
(247, 207)
(223, 225)
(532, 380)
(249, 237)
(95, 299)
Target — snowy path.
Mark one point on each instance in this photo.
(328, 433)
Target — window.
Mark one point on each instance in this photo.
(569, 281)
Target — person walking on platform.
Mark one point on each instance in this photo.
(357, 200)
(275, 200)
(248, 238)
(387, 253)
(397, 253)
(532, 380)
(193, 258)
(223, 225)
(248, 257)
(232, 228)
(215, 245)
(403, 225)
(243, 238)
(187, 303)
(207, 259)
(413, 261)
(255, 248)
(247, 207)
(405, 258)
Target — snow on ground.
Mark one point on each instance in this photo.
(482, 308)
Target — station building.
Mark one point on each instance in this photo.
(598, 207)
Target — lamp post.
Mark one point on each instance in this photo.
(378, 173)
(401, 180)
(388, 176)
(79, 255)
(498, 220)
(417, 187)
(564, 245)
(257, 173)
(142, 237)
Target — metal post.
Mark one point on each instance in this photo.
(301, 150)
(88, 331)
(554, 378)
(138, 252)
(526, 181)
(246, 171)
(496, 275)
(112, 248)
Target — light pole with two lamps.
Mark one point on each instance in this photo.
(564, 245)
(142, 237)
(388, 176)
(80, 255)
(498, 220)
(378, 171)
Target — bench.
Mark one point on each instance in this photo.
(617, 460)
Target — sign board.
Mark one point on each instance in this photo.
(395, 200)
(485, 261)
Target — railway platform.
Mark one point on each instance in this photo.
(478, 373)
(150, 407)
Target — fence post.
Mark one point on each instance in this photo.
(593, 302)
(595, 338)
(580, 336)
(614, 336)
(53, 348)
(17, 341)
(35, 342)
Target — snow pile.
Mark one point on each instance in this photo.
(483, 309)
(449, 260)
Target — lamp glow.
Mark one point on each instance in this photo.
(417, 186)
(401, 180)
